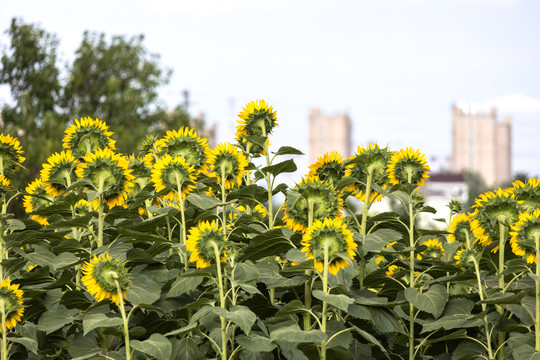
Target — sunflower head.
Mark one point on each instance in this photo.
(185, 143)
(11, 296)
(258, 212)
(460, 228)
(5, 185)
(338, 239)
(10, 154)
(225, 160)
(59, 172)
(255, 148)
(174, 175)
(527, 194)
(256, 118)
(465, 258)
(524, 234)
(100, 276)
(490, 209)
(408, 166)
(201, 240)
(36, 200)
(108, 172)
(313, 193)
(434, 250)
(328, 167)
(87, 135)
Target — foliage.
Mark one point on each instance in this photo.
(178, 263)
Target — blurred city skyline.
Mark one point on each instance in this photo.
(396, 68)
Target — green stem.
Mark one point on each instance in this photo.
(223, 199)
(125, 328)
(324, 304)
(268, 180)
(537, 322)
(221, 302)
(481, 294)
(183, 218)
(366, 202)
(502, 243)
(411, 272)
(100, 212)
(4, 330)
(309, 273)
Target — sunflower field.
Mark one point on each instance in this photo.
(183, 251)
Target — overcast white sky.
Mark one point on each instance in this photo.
(396, 66)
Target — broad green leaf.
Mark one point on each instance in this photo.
(286, 166)
(75, 299)
(377, 240)
(270, 243)
(202, 201)
(29, 344)
(432, 301)
(341, 301)
(293, 307)
(458, 334)
(255, 343)
(343, 339)
(186, 348)
(451, 322)
(294, 334)
(157, 346)
(143, 290)
(93, 321)
(288, 150)
(245, 272)
(54, 319)
(370, 338)
(182, 330)
(183, 285)
(15, 225)
(240, 315)
(503, 298)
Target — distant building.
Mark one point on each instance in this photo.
(481, 143)
(329, 132)
(438, 190)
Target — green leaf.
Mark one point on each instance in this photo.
(288, 150)
(292, 307)
(432, 301)
(294, 334)
(182, 330)
(370, 338)
(286, 166)
(340, 301)
(143, 290)
(43, 257)
(157, 346)
(183, 285)
(15, 225)
(451, 322)
(270, 243)
(245, 272)
(29, 344)
(240, 315)
(377, 240)
(93, 321)
(202, 201)
(255, 343)
(75, 299)
(54, 319)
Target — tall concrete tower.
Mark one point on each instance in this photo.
(327, 133)
(481, 143)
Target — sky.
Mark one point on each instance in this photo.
(396, 66)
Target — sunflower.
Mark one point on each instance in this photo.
(184, 142)
(227, 160)
(10, 154)
(408, 163)
(33, 203)
(328, 167)
(200, 243)
(465, 258)
(5, 184)
(434, 250)
(527, 195)
(99, 277)
(326, 201)
(256, 118)
(11, 296)
(258, 212)
(460, 224)
(87, 135)
(491, 208)
(254, 148)
(369, 159)
(58, 174)
(339, 239)
(174, 175)
(108, 172)
(524, 232)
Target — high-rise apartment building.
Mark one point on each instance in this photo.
(481, 143)
(327, 133)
